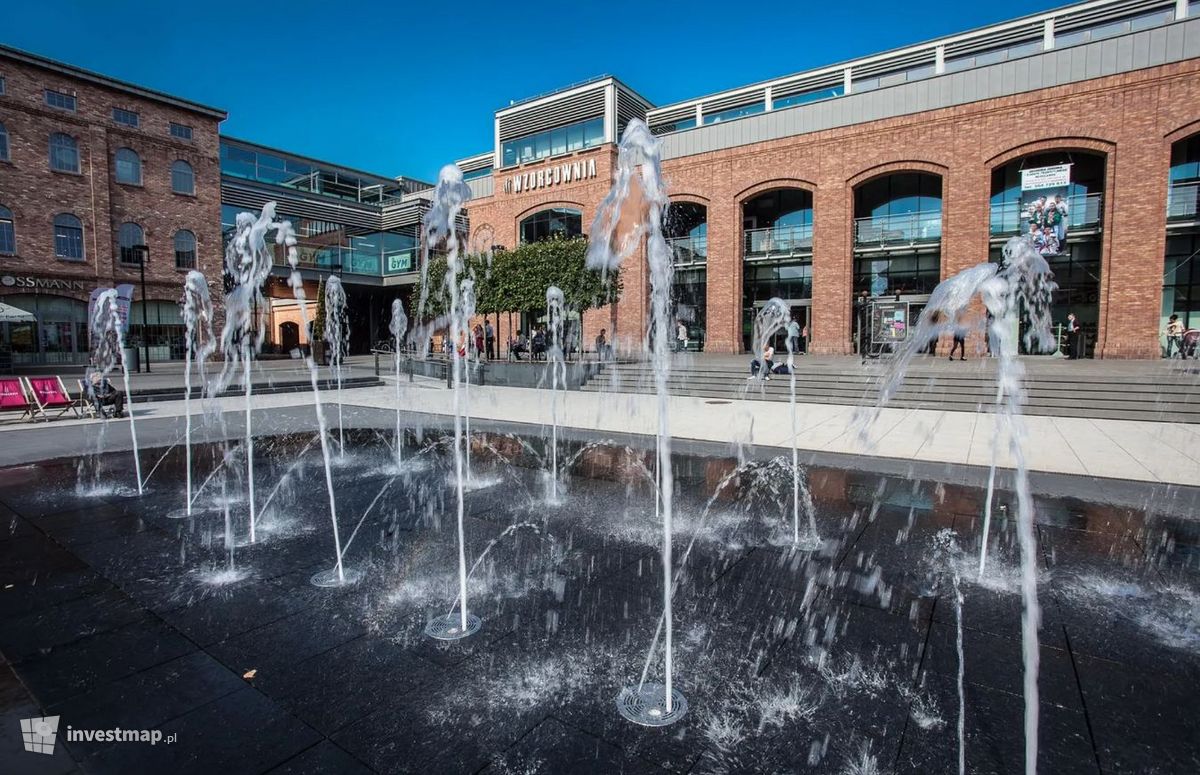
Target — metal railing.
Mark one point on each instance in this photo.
(774, 241)
(898, 230)
(1182, 201)
(1084, 211)
(688, 250)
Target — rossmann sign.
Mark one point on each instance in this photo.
(32, 282)
(550, 176)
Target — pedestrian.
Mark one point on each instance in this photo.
(602, 345)
(765, 366)
(681, 336)
(960, 342)
(478, 332)
(1174, 334)
(793, 333)
(1074, 337)
(804, 340)
(489, 336)
(538, 344)
(102, 393)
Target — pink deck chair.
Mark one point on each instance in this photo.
(50, 394)
(13, 397)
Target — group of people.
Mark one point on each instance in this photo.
(764, 366)
(1047, 218)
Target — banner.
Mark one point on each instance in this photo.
(124, 301)
(1058, 176)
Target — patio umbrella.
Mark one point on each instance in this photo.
(11, 314)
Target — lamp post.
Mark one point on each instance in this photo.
(143, 252)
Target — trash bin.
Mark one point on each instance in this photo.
(132, 362)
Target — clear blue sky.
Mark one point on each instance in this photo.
(400, 89)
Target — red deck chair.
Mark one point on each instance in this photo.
(50, 393)
(13, 397)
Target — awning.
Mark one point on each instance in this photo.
(11, 314)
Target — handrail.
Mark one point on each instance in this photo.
(1183, 201)
(900, 229)
(1084, 211)
(777, 240)
(688, 250)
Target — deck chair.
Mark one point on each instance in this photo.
(87, 407)
(14, 397)
(51, 394)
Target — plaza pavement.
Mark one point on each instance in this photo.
(1153, 452)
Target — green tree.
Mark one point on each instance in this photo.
(317, 332)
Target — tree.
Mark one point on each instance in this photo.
(317, 328)
(516, 280)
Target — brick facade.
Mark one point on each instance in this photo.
(1131, 119)
(36, 194)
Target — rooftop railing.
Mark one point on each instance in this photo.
(777, 241)
(899, 230)
(1182, 201)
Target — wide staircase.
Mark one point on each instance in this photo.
(1160, 391)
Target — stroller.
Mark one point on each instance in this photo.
(1191, 339)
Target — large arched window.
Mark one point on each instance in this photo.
(64, 153)
(4, 144)
(68, 237)
(185, 249)
(129, 167)
(183, 180)
(554, 222)
(8, 235)
(130, 238)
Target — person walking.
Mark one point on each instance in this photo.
(793, 332)
(960, 342)
(602, 345)
(478, 341)
(1074, 337)
(1174, 334)
(489, 337)
(804, 340)
(681, 337)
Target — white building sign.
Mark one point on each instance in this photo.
(550, 176)
(1058, 176)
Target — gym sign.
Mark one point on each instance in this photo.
(550, 176)
(41, 283)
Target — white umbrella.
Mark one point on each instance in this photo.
(11, 314)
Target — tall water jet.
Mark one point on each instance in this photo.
(1022, 285)
(337, 335)
(248, 263)
(199, 345)
(466, 312)
(108, 348)
(441, 229)
(398, 326)
(555, 310)
(632, 211)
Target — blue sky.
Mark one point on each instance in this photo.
(400, 89)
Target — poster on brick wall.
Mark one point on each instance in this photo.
(1046, 207)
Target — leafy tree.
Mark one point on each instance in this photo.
(317, 328)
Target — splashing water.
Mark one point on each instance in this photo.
(639, 187)
(398, 328)
(467, 311)
(1021, 285)
(108, 346)
(337, 336)
(197, 321)
(555, 310)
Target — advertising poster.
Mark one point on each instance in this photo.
(889, 322)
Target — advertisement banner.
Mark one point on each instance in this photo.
(889, 322)
(1058, 176)
(124, 301)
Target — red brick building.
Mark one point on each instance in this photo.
(91, 170)
(890, 173)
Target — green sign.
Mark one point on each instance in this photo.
(399, 262)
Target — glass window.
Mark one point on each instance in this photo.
(129, 167)
(57, 99)
(479, 173)
(554, 222)
(3, 143)
(593, 132)
(68, 237)
(558, 142)
(238, 162)
(126, 117)
(799, 99)
(64, 153)
(575, 137)
(185, 249)
(181, 131)
(130, 237)
(183, 180)
(732, 113)
(8, 237)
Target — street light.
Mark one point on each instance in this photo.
(143, 252)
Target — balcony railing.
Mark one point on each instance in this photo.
(686, 251)
(1084, 211)
(905, 229)
(344, 260)
(1182, 200)
(777, 241)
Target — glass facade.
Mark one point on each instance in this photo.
(555, 222)
(884, 275)
(573, 137)
(1084, 194)
(1183, 196)
(807, 97)
(732, 113)
(790, 281)
(1181, 283)
(278, 170)
(58, 333)
(163, 330)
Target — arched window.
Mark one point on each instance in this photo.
(8, 236)
(130, 238)
(185, 249)
(64, 153)
(555, 222)
(183, 180)
(3, 144)
(68, 237)
(129, 167)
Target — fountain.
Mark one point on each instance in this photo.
(1021, 284)
(398, 328)
(638, 184)
(108, 348)
(466, 312)
(441, 229)
(337, 335)
(199, 345)
(558, 369)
